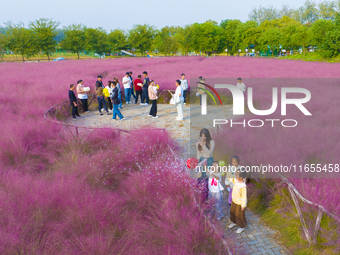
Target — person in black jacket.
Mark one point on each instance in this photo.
(145, 94)
(99, 82)
(115, 102)
(73, 102)
(132, 87)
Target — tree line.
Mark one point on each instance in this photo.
(267, 29)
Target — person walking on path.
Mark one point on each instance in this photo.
(73, 102)
(101, 99)
(239, 203)
(153, 97)
(127, 87)
(178, 99)
(132, 89)
(185, 87)
(82, 95)
(116, 102)
(119, 93)
(145, 96)
(138, 88)
(99, 82)
(201, 85)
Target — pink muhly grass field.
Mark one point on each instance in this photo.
(105, 194)
(108, 194)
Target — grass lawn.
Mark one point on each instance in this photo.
(276, 209)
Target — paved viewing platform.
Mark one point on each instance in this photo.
(257, 238)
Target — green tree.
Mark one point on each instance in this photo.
(261, 14)
(230, 27)
(20, 40)
(244, 34)
(270, 38)
(310, 12)
(185, 38)
(287, 11)
(117, 40)
(286, 36)
(327, 10)
(208, 37)
(330, 46)
(301, 37)
(45, 31)
(251, 36)
(74, 38)
(166, 41)
(141, 37)
(97, 41)
(319, 29)
(2, 45)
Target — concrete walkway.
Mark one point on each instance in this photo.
(257, 238)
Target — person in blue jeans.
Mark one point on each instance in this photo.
(115, 102)
(101, 99)
(119, 93)
(132, 89)
(127, 87)
(215, 190)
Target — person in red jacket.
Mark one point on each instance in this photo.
(138, 88)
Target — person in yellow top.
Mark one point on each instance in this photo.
(239, 203)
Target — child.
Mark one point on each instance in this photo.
(116, 101)
(215, 189)
(73, 102)
(152, 90)
(239, 203)
(231, 177)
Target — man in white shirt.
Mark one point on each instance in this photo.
(127, 87)
(241, 85)
(179, 100)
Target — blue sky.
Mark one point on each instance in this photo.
(124, 14)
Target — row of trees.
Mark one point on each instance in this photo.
(308, 13)
(209, 37)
